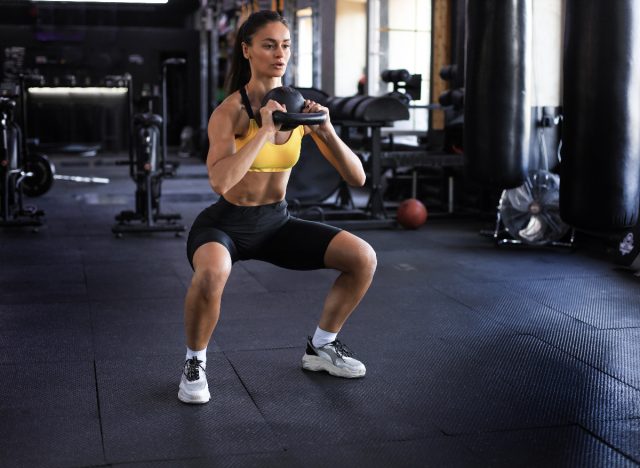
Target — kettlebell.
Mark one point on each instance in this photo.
(294, 102)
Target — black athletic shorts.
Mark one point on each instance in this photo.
(265, 232)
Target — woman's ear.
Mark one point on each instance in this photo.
(245, 50)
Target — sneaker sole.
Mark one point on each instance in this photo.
(315, 363)
(192, 399)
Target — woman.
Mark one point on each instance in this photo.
(249, 167)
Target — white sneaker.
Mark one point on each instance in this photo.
(334, 358)
(193, 383)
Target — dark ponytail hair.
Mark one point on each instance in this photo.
(240, 72)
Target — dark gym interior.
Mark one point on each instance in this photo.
(502, 327)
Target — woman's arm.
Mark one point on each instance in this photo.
(334, 149)
(225, 165)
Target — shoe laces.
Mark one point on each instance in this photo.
(341, 349)
(192, 368)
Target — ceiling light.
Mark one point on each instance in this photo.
(104, 1)
(77, 91)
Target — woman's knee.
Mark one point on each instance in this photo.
(367, 260)
(212, 268)
(353, 255)
(209, 281)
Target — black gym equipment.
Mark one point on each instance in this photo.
(37, 164)
(530, 213)
(313, 179)
(625, 248)
(362, 109)
(170, 62)
(498, 125)
(452, 102)
(411, 85)
(497, 95)
(348, 109)
(148, 165)
(359, 121)
(367, 115)
(601, 151)
(335, 105)
(13, 174)
(452, 98)
(42, 175)
(293, 101)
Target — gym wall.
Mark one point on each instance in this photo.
(91, 53)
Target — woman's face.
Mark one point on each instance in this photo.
(269, 51)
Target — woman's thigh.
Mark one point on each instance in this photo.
(298, 245)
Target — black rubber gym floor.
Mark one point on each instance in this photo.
(476, 355)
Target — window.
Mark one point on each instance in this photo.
(400, 38)
(304, 48)
(351, 46)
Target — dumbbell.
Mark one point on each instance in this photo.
(294, 102)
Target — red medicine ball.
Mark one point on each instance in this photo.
(412, 214)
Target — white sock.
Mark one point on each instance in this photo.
(201, 355)
(321, 337)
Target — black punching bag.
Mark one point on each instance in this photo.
(497, 114)
(600, 169)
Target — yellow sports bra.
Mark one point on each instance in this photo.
(271, 157)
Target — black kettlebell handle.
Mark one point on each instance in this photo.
(293, 119)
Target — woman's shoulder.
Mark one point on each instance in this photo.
(231, 106)
(230, 111)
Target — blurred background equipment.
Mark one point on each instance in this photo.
(148, 166)
(531, 212)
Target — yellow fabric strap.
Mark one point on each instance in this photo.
(273, 157)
